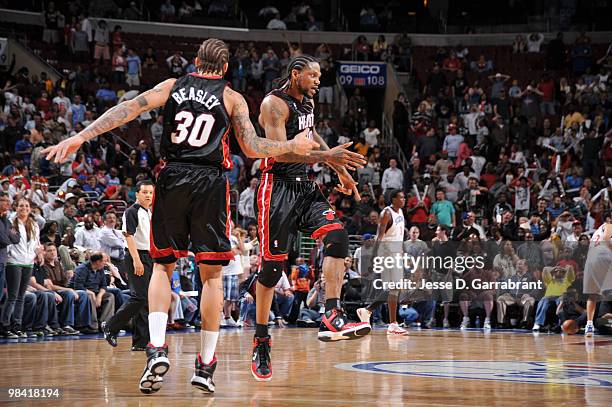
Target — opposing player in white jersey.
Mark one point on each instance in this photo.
(389, 243)
(598, 269)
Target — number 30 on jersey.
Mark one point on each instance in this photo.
(196, 132)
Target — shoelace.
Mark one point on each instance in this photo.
(262, 352)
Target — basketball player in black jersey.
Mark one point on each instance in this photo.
(190, 204)
(287, 202)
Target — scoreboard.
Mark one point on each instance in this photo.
(362, 74)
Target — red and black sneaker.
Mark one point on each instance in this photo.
(157, 366)
(261, 365)
(336, 327)
(203, 375)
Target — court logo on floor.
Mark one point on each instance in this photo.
(568, 373)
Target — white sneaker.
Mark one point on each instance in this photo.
(487, 324)
(465, 323)
(223, 322)
(536, 328)
(445, 324)
(230, 323)
(395, 329)
(589, 330)
(240, 323)
(363, 314)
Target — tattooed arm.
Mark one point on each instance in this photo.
(114, 117)
(259, 147)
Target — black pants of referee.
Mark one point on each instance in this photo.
(137, 305)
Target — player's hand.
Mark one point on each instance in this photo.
(347, 185)
(76, 295)
(302, 145)
(249, 298)
(339, 155)
(59, 153)
(138, 268)
(58, 298)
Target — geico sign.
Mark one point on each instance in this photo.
(365, 69)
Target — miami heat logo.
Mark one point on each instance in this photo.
(329, 214)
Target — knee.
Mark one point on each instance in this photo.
(270, 273)
(336, 243)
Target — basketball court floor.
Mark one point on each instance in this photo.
(426, 368)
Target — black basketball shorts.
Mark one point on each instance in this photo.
(191, 206)
(286, 206)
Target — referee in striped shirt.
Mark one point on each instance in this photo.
(139, 267)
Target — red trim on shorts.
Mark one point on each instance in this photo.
(155, 252)
(266, 164)
(324, 229)
(199, 75)
(264, 195)
(228, 221)
(214, 256)
(169, 251)
(227, 163)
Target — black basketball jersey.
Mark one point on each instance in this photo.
(301, 116)
(196, 123)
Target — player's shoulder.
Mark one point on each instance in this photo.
(274, 104)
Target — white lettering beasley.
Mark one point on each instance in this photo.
(197, 95)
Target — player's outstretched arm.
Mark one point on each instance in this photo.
(259, 147)
(114, 117)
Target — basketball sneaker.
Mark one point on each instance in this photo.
(364, 315)
(465, 323)
(261, 364)
(335, 327)
(157, 366)
(487, 324)
(110, 338)
(395, 329)
(589, 330)
(203, 376)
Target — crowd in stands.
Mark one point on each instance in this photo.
(522, 167)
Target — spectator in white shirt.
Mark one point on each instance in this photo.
(452, 142)
(276, 23)
(392, 178)
(371, 134)
(534, 41)
(61, 101)
(88, 236)
(111, 239)
(246, 207)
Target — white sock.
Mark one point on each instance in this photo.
(487, 319)
(208, 344)
(157, 328)
(590, 322)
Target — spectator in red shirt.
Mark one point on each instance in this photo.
(452, 63)
(43, 104)
(418, 210)
(547, 87)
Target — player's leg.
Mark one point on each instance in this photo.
(589, 329)
(317, 217)
(159, 298)
(169, 240)
(211, 303)
(209, 233)
(276, 217)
